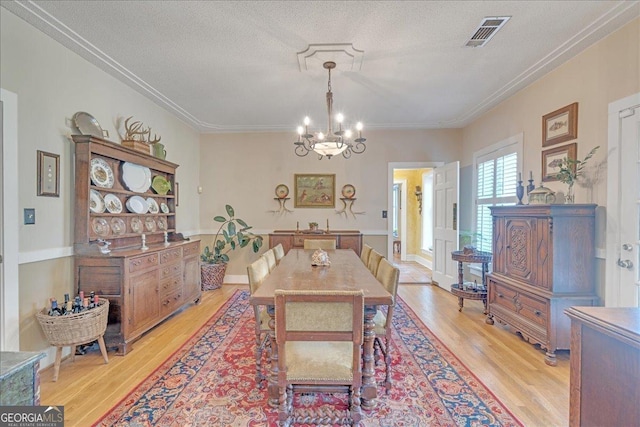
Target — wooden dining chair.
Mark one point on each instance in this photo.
(257, 272)
(325, 244)
(364, 255)
(278, 250)
(374, 261)
(270, 257)
(319, 337)
(388, 276)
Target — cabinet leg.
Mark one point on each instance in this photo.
(485, 306)
(550, 358)
(489, 320)
(460, 303)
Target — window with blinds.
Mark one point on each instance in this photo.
(497, 169)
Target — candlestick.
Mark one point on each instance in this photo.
(531, 175)
(519, 176)
(297, 226)
(144, 246)
(166, 238)
(327, 225)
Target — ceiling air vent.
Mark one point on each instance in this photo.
(487, 29)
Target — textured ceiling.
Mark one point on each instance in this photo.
(234, 66)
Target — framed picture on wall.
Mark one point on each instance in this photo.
(560, 125)
(48, 174)
(315, 191)
(552, 158)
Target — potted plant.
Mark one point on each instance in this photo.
(570, 170)
(313, 226)
(232, 234)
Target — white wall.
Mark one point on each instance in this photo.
(52, 83)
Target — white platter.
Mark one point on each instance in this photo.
(101, 173)
(100, 227)
(153, 205)
(137, 178)
(164, 208)
(162, 224)
(96, 202)
(137, 204)
(113, 203)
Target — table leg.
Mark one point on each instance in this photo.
(272, 388)
(460, 275)
(461, 303)
(368, 368)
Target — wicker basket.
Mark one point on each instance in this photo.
(75, 329)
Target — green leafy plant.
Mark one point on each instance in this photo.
(571, 169)
(313, 225)
(232, 234)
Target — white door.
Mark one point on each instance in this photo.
(623, 202)
(445, 223)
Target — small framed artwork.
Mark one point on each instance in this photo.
(560, 125)
(315, 191)
(552, 158)
(48, 174)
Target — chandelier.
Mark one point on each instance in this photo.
(332, 143)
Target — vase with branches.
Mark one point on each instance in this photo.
(570, 170)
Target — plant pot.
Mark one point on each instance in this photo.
(212, 275)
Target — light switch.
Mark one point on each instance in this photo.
(29, 216)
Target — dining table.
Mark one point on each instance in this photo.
(346, 272)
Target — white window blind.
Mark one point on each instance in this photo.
(496, 186)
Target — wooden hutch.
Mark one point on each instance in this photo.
(543, 263)
(144, 286)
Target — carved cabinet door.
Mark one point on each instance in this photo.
(525, 249)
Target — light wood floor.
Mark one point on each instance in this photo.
(512, 369)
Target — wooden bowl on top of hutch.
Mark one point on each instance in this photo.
(543, 263)
(146, 286)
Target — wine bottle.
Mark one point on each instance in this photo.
(54, 310)
(78, 304)
(92, 302)
(65, 306)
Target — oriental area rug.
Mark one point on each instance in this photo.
(210, 381)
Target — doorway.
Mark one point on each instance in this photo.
(9, 290)
(404, 233)
(623, 209)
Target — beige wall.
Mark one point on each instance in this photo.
(52, 83)
(607, 71)
(243, 169)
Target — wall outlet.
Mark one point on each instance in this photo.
(384, 214)
(29, 216)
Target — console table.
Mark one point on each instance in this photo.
(474, 293)
(291, 239)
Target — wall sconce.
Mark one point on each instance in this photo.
(418, 194)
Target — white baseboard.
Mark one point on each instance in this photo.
(420, 260)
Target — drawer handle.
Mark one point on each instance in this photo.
(537, 312)
(500, 296)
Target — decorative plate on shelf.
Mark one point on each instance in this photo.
(114, 205)
(136, 225)
(348, 191)
(153, 205)
(164, 207)
(137, 178)
(160, 185)
(101, 173)
(100, 227)
(137, 204)
(282, 191)
(150, 224)
(162, 224)
(96, 202)
(118, 226)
